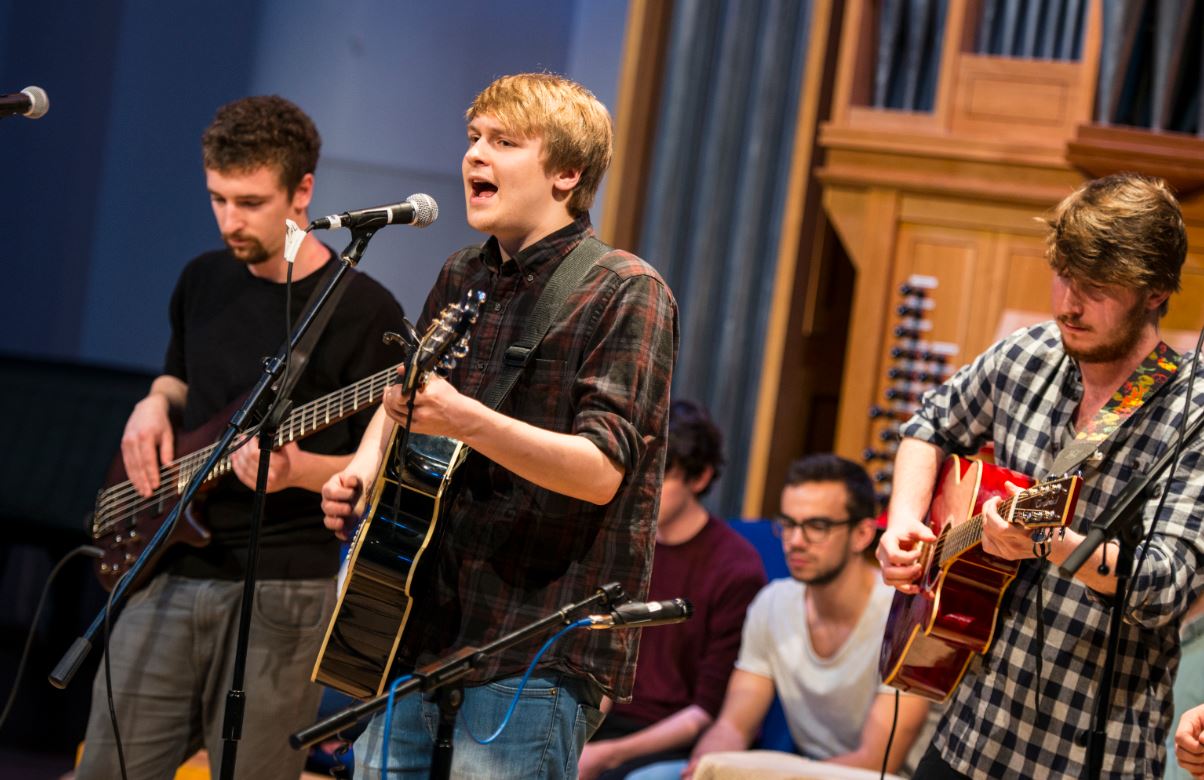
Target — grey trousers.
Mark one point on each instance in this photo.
(172, 653)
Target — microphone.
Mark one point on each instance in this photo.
(644, 614)
(418, 210)
(30, 102)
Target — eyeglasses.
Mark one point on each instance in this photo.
(815, 529)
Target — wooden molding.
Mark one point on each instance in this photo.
(640, 78)
(1098, 150)
(801, 215)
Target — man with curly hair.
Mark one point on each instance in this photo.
(172, 648)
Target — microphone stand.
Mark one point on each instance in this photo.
(443, 678)
(261, 398)
(1123, 523)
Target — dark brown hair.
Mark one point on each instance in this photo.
(259, 131)
(1123, 229)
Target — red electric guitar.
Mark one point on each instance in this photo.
(933, 635)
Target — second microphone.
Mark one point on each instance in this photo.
(418, 210)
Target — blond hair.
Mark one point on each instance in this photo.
(573, 125)
(1124, 229)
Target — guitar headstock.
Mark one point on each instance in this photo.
(1046, 504)
(445, 341)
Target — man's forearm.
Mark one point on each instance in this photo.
(561, 462)
(676, 731)
(173, 390)
(916, 466)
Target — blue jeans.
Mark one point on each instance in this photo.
(555, 715)
(665, 770)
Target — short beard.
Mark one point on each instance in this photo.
(1130, 333)
(252, 255)
(829, 575)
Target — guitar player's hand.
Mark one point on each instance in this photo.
(342, 503)
(1001, 538)
(435, 406)
(147, 442)
(245, 463)
(899, 551)
(1189, 751)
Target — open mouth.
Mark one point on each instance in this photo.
(482, 189)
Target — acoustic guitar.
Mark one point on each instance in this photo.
(932, 636)
(400, 524)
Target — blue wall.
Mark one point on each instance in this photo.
(104, 197)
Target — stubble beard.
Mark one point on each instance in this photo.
(828, 575)
(1120, 347)
(253, 254)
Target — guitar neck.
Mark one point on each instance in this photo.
(963, 537)
(301, 422)
(334, 407)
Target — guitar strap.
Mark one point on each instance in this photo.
(566, 278)
(1158, 368)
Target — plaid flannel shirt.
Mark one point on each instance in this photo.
(515, 552)
(1022, 395)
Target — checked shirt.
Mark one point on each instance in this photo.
(1021, 395)
(515, 552)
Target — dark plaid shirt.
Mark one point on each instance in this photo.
(1022, 394)
(515, 552)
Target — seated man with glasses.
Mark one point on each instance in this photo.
(814, 639)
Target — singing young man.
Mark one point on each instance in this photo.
(561, 490)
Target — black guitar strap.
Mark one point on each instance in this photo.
(566, 278)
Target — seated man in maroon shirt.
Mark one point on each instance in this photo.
(682, 669)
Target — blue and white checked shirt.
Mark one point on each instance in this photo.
(1022, 394)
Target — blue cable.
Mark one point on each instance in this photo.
(522, 684)
(384, 743)
(384, 747)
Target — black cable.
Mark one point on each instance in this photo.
(1145, 544)
(109, 681)
(890, 739)
(83, 549)
(401, 450)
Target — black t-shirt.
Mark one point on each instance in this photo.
(224, 322)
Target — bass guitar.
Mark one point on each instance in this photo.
(123, 520)
(385, 562)
(933, 635)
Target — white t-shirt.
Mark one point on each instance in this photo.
(826, 699)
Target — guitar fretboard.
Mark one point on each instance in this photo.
(301, 422)
(1041, 506)
(965, 536)
(304, 420)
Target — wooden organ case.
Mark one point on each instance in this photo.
(950, 183)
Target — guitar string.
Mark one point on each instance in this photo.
(124, 501)
(111, 499)
(970, 533)
(129, 502)
(966, 535)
